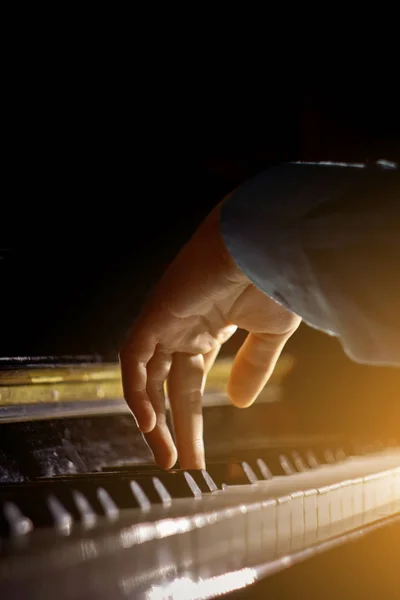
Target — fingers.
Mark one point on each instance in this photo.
(253, 366)
(185, 392)
(160, 439)
(134, 357)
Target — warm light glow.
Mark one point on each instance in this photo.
(187, 589)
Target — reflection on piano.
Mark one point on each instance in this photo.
(84, 513)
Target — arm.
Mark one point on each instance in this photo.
(324, 241)
(278, 251)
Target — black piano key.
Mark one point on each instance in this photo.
(298, 462)
(204, 480)
(162, 491)
(14, 523)
(329, 456)
(340, 454)
(312, 460)
(87, 515)
(277, 461)
(286, 465)
(109, 508)
(140, 497)
(250, 474)
(62, 520)
(264, 469)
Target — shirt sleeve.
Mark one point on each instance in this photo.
(323, 239)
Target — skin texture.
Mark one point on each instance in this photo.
(198, 304)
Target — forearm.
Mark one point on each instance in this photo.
(324, 241)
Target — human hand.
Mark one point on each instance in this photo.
(200, 301)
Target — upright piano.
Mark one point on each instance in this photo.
(85, 512)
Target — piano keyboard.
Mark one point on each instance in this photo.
(150, 534)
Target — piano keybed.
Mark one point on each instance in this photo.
(84, 514)
(154, 530)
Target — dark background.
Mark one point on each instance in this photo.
(102, 188)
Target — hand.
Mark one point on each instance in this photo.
(197, 306)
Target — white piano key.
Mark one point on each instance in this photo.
(254, 532)
(238, 536)
(397, 489)
(228, 530)
(323, 512)
(336, 508)
(310, 517)
(393, 499)
(383, 493)
(269, 529)
(283, 525)
(369, 499)
(297, 520)
(347, 502)
(357, 490)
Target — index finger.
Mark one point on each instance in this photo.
(135, 355)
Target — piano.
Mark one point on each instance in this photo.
(85, 512)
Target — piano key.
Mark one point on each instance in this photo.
(347, 501)
(196, 491)
(329, 457)
(254, 533)
(63, 520)
(283, 524)
(298, 462)
(312, 460)
(231, 472)
(212, 487)
(218, 532)
(268, 509)
(19, 524)
(250, 474)
(87, 514)
(297, 525)
(162, 491)
(286, 465)
(310, 516)
(110, 508)
(263, 468)
(340, 454)
(357, 491)
(140, 497)
(323, 512)
(336, 507)
(203, 479)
